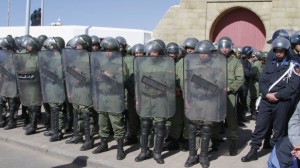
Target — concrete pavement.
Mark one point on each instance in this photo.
(174, 159)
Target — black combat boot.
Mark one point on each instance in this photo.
(88, 141)
(232, 147)
(57, 135)
(2, 118)
(192, 159)
(159, 139)
(251, 155)
(76, 138)
(48, 123)
(25, 117)
(145, 152)
(205, 138)
(33, 123)
(48, 116)
(120, 151)
(11, 119)
(102, 147)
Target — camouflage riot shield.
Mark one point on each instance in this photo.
(28, 78)
(51, 75)
(107, 81)
(155, 86)
(76, 67)
(8, 80)
(204, 87)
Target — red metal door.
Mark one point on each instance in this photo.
(243, 26)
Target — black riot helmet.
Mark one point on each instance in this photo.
(41, 39)
(225, 44)
(71, 43)
(18, 42)
(137, 48)
(88, 40)
(22, 39)
(54, 42)
(8, 43)
(31, 41)
(295, 39)
(109, 43)
(84, 40)
(246, 51)
(173, 48)
(95, 40)
(204, 47)
(122, 41)
(190, 43)
(155, 45)
(60, 42)
(225, 38)
(237, 49)
(277, 33)
(281, 43)
(162, 43)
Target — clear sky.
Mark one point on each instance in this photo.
(136, 14)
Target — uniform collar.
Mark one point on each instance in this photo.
(285, 61)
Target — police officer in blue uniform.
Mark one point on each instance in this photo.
(276, 102)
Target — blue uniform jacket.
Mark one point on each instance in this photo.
(272, 71)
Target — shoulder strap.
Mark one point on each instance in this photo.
(291, 67)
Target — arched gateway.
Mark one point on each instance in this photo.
(243, 26)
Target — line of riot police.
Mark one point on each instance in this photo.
(152, 93)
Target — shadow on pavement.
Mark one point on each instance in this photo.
(79, 161)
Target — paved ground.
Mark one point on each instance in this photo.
(71, 154)
(18, 156)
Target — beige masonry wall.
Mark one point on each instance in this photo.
(197, 18)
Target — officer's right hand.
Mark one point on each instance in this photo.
(271, 97)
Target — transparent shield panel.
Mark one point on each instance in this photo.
(8, 80)
(204, 87)
(155, 86)
(76, 67)
(107, 81)
(51, 74)
(28, 78)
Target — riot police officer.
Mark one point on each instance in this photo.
(122, 45)
(8, 82)
(95, 43)
(53, 83)
(256, 66)
(155, 96)
(275, 99)
(189, 44)
(205, 82)
(133, 122)
(109, 74)
(278, 33)
(78, 83)
(242, 106)
(26, 66)
(295, 45)
(235, 79)
(176, 121)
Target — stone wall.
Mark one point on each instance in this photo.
(197, 18)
